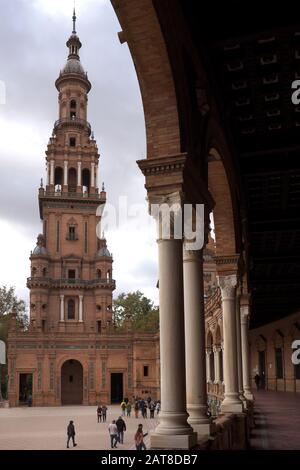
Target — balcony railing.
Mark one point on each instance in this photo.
(59, 283)
(73, 121)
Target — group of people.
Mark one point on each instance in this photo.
(116, 431)
(101, 413)
(139, 405)
(117, 427)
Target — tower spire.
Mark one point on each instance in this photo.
(74, 20)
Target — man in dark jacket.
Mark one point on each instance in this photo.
(71, 434)
(121, 428)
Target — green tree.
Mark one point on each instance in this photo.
(137, 308)
(10, 303)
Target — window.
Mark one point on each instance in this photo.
(72, 233)
(98, 273)
(72, 142)
(44, 272)
(99, 326)
(71, 274)
(146, 371)
(71, 309)
(70, 378)
(73, 116)
(279, 363)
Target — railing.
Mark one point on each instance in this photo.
(74, 120)
(58, 283)
(73, 195)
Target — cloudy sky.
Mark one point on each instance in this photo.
(32, 51)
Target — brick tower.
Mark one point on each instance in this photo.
(71, 353)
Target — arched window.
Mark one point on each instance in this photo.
(86, 180)
(99, 273)
(58, 178)
(44, 272)
(71, 309)
(108, 275)
(72, 180)
(73, 107)
(33, 272)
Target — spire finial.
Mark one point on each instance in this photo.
(74, 20)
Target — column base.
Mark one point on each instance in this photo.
(249, 396)
(232, 407)
(204, 430)
(171, 441)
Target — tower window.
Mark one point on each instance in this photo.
(71, 274)
(71, 309)
(72, 233)
(72, 141)
(73, 114)
(99, 326)
(146, 371)
(98, 273)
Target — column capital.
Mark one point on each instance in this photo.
(61, 296)
(228, 286)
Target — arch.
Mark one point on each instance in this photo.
(141, 28)
(71, 382)
(72, 179)
(86, 179)
(223, 214)
(58, 178)
(99, 274)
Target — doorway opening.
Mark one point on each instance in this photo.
(116, 387)
(71, 383)
(262, 369)
(25, 389)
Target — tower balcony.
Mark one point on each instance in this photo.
(70, 283)
(73, 122)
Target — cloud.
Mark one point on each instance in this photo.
(32, 50)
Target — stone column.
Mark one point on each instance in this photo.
(231, 402)
(62, 308)
(196, 390)
(92, 175)
(51, 172)
(173, 430)
(208, 371)
(245, 351)
(65, 173)
(78, 173)
(216, 350)
(81, 308)
(239, 348)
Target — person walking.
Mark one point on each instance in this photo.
(257, 381)
(104, 410)
(71, 434)
(136, 409)
(152, 409)
(113, 432)
(99, 413)
(128, 409)
(121, 426)
(157, 407)
(139, 438)
(123, 407)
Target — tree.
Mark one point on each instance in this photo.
(10, 303)
(137, 308)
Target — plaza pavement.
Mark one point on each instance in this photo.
(44, 428)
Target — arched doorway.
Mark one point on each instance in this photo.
(71, 383)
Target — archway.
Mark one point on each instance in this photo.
(71, 383)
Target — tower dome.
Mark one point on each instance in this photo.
(40, 248)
